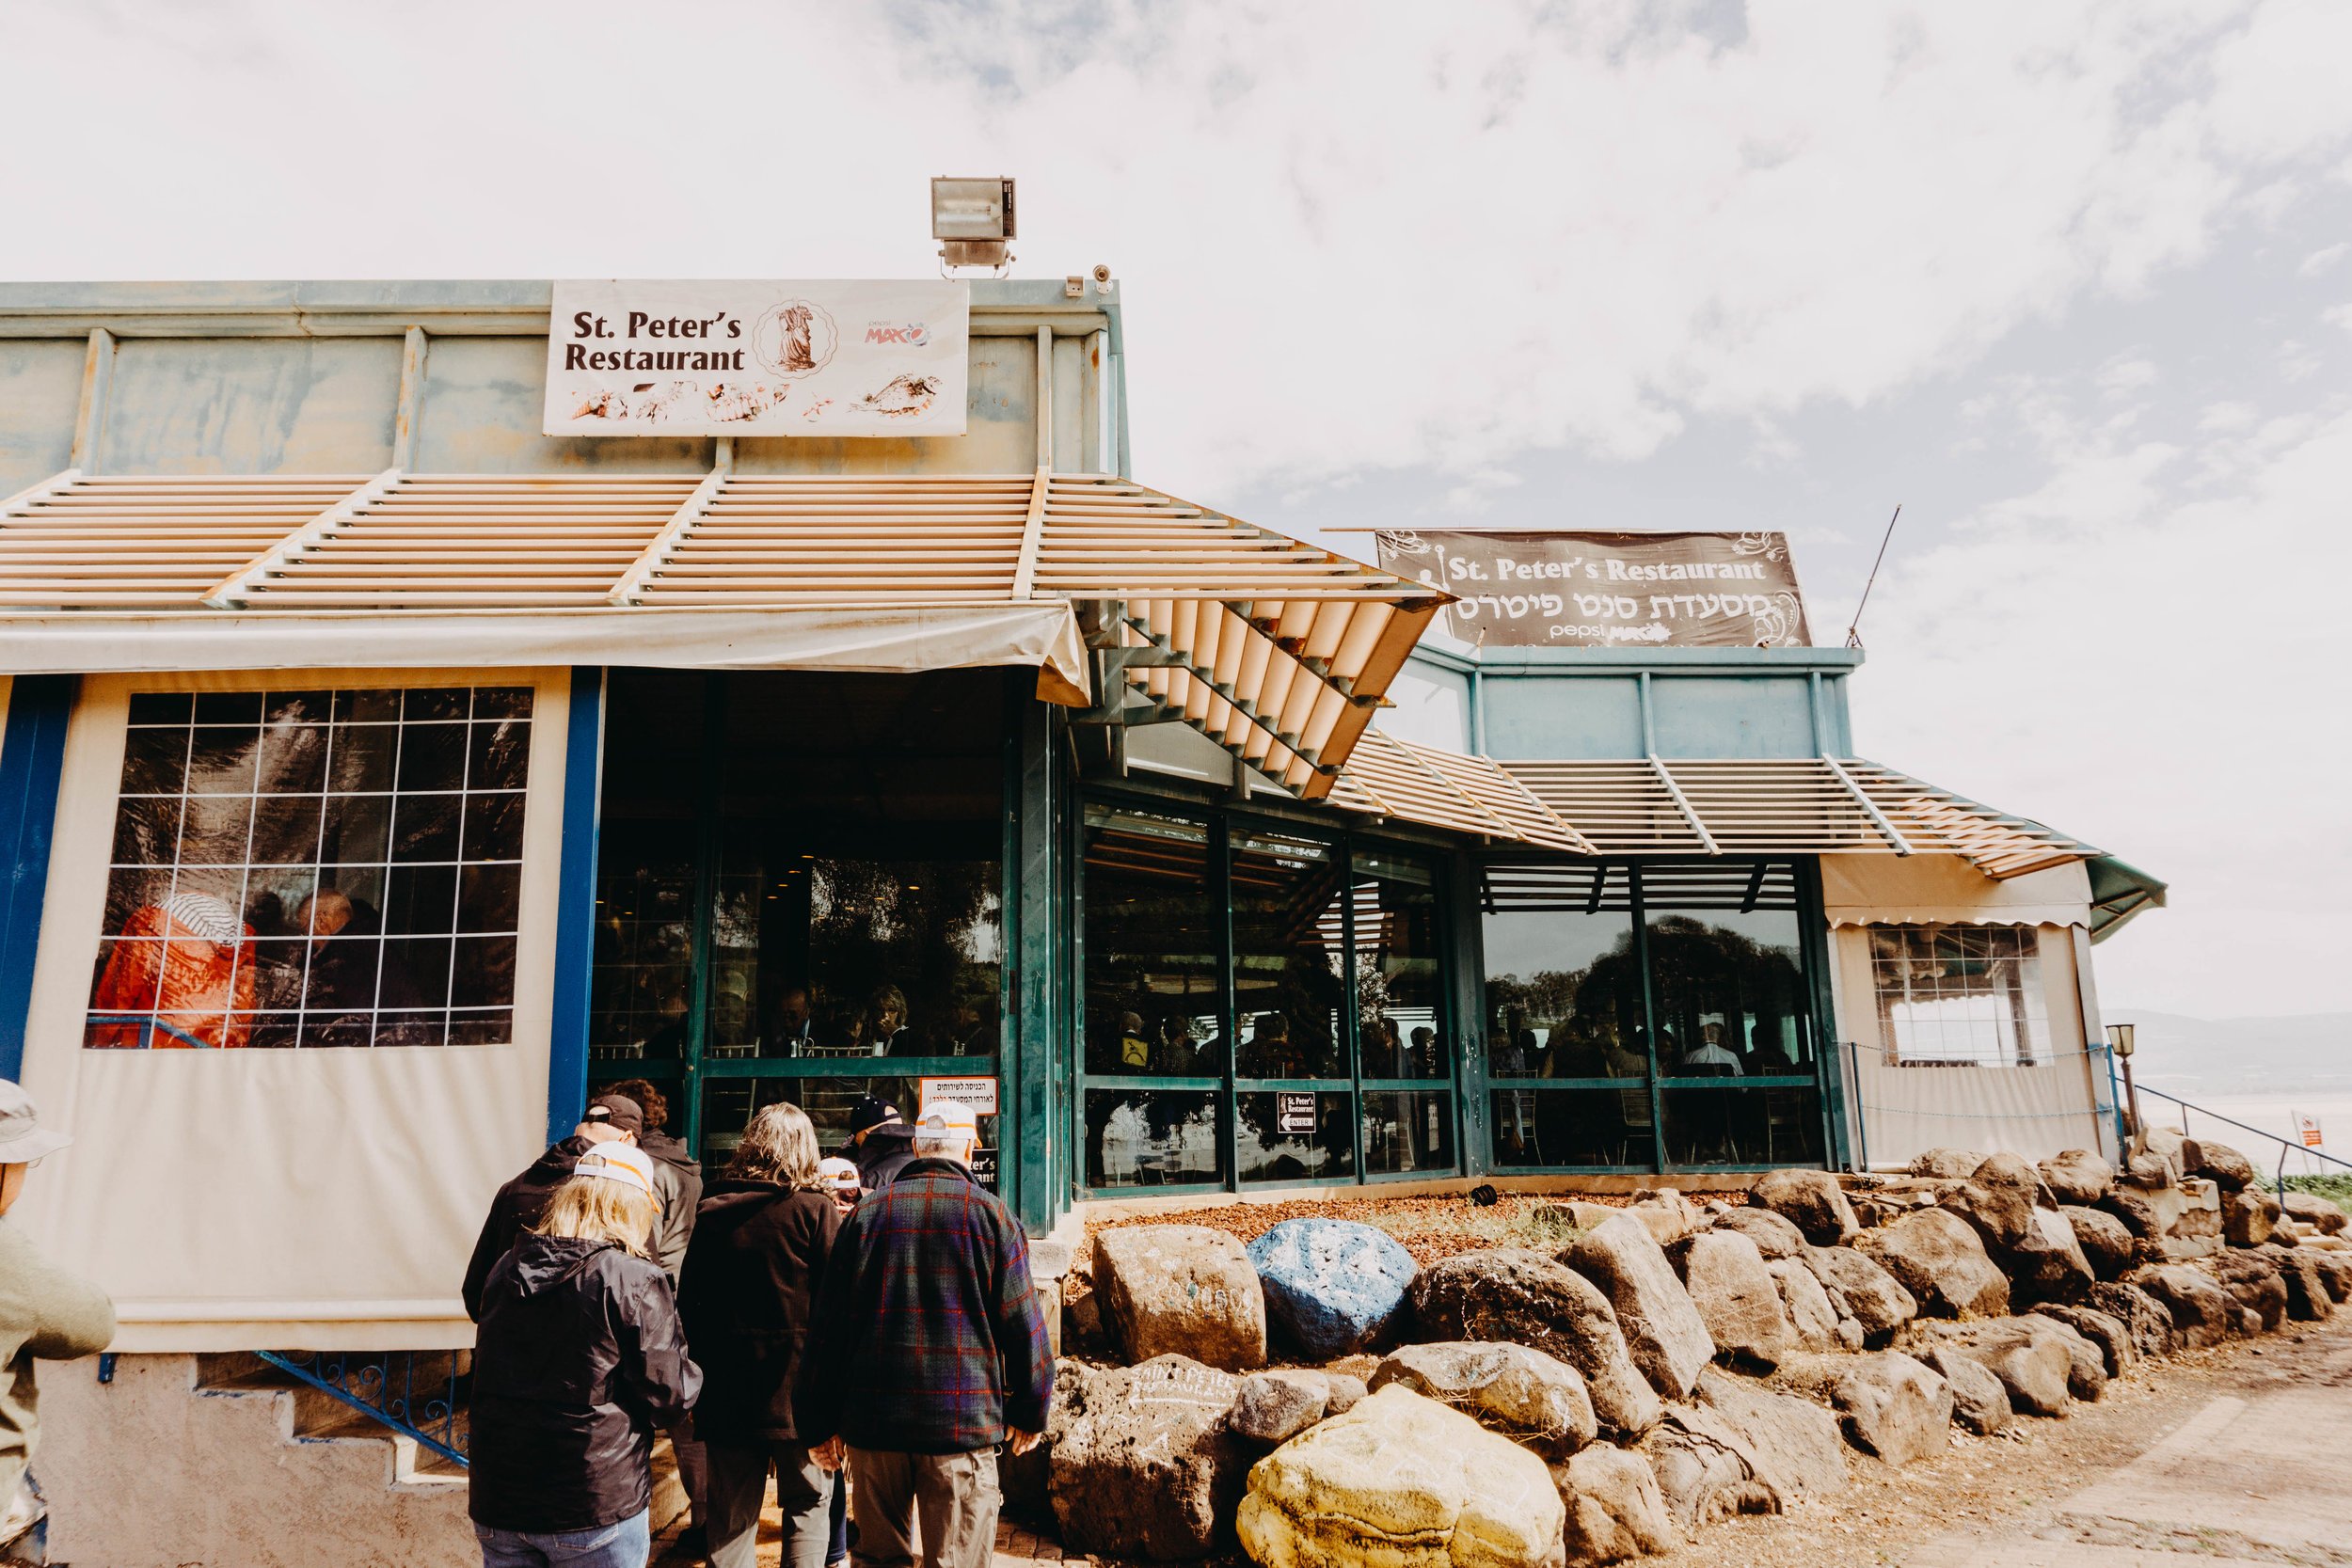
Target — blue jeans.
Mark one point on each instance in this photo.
(626, 1545)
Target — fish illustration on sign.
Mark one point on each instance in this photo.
(902, 397)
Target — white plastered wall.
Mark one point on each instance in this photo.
(262, 1198)
(2036, 1111)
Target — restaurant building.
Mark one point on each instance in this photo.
(382, 772)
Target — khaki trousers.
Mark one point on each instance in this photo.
(952, 1499)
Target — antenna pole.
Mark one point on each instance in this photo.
(1854, 631)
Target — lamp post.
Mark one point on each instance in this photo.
(2119, 1041)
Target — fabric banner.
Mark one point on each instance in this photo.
(757, 358)
(1546, 589)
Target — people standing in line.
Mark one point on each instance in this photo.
(927, 1352)
(45, 1314)
(515, 1210)
(752, 1275)
(677, 1176)
(881, 1142)
(580, 1357)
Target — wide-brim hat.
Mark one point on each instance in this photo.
(23, 1138)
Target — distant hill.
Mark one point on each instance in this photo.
(2309, 1054)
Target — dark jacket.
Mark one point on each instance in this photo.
(579, 1357)
(928, 1336)
(678, 1179)
(883, 1154)
(517, 1208)
(751, 1274)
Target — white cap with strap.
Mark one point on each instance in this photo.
(618, 1162)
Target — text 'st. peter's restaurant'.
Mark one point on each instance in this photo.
(431, 702)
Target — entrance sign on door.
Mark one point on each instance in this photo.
(628, 358)
(978, 1093)
(1293, 1113)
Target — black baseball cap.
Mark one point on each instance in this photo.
(618, 1109)
(872, 1111)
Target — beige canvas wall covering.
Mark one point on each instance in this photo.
(263, 1198)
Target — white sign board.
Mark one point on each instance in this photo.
(2308, 1129)
(978, 1093)
(757, 358)
(1293, 1113)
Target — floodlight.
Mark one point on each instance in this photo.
(974, 218)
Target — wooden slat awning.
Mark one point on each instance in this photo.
(1276, 649)
(1697, 807)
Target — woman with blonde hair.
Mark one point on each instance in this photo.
(581, 1356)
(760, 1245)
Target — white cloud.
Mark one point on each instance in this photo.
(2323, 260)
(2123, 376)
(2226, 416)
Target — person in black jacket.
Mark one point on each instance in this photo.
(579, 1357)
(881, 1142)
(515, 1210)
(752, 1273)
(677, 1176)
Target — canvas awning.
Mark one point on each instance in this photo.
(1695, 806)
(1274, 648)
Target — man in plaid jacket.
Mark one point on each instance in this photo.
(926, 1350)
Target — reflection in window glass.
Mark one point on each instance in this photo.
(1297, 1136)
(1574, 1127)
(1152, 999)
(1563, 993)
(1152, 1138)
(1289, 939)
(644, 967)
(1398, 1027)
(315, 868)
(1960, 994)
(729, 1104)
(1729, 992)
(1777, 1125)
(1407, 1131)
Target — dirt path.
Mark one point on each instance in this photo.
(2239, 1454)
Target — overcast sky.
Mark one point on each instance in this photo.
(2071, 282)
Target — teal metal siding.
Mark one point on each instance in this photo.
(41, 386)
(1732, 716)
(1531, 718)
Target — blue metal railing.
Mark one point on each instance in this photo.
(2286, 1146)
(383, 1385)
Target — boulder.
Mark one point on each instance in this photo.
(1724, 1276)
(1575, 1215)
(2148, 1212)
(2219, 1163)
(1706, 1469)
(2314, 1211)
(1979, 1404)
(1946, 1162)
(1274, 1407)
(1795, 1442)
(1180, 1290)
(2118, 1354)
(1402, 1481)
(2033, 1367)
(1811, 1316)
(1614, 1509)
(1333, 1286)
(2309, 1300)
(1527, 1396)
(2200, 1208)
(2201, 1310)
(2077, 1175)
(1522, 1296)
(1865, 1293)
(2248, 1215)
(2086, 1360)
(1774, 1235)
(1998, 1200)
(1892, 1406)
(1941, 1261)
(1667, 1214)
(2048, 1264)
(1345, 1391)
(2336, 1268)
(2106, 1242)
(1810, 1199)
(2251, 1278)
(1661, 1326)
(2144, 1318)
(1143, 1464)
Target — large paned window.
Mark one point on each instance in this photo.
(1952, 995)
(1262, 1004)
(800, 892)
(1640, 1015)
(314, 868)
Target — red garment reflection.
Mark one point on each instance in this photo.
(197, 991)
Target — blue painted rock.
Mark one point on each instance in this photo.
(1331, 1283)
